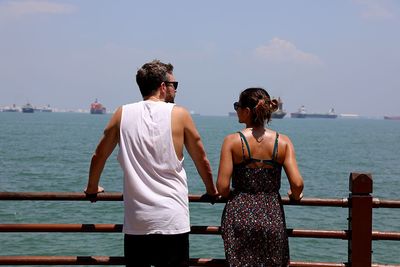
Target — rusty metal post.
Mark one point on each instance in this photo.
(360, 220)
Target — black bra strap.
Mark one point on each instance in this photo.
(275, 153)
(243, 138)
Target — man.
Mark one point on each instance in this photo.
(151, 135)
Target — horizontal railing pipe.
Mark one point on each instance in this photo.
(59, 196)
(106, 260)
(116, 196)
(379, 235)
(203, 230)
(385, 203)
(359, 233)
(117, 228)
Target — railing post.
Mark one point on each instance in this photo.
(360, 220)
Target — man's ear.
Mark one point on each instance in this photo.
(163, 90)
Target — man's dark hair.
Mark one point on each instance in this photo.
(151, 75)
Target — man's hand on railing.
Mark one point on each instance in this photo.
(92, 196)
(210, 198)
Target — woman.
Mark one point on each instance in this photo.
(253, 222)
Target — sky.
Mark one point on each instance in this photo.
(342, 54)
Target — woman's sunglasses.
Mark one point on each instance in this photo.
(236, 105)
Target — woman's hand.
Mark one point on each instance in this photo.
(292, 197)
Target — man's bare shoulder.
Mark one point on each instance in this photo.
(180, 112)
(115, 120)
(181, 109)
(118, 111)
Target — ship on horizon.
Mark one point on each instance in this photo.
(13, 108)
(44, 109)
(392, 118)
(27, 108)
(279, 113)
(97, 108)
(302, 114)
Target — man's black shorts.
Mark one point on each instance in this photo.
(157, 250)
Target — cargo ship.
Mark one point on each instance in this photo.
(27, 108)
(97, 108)
(44, 109)
(11, 109)
(302, 114)
(397, 118)
(279, 113)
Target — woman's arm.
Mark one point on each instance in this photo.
(225, 167)
(292, 171)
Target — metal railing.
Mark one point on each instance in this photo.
(359, 234)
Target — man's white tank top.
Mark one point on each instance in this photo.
(155, 184)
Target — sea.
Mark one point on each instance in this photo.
(51, 152)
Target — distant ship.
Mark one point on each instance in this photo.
(193, 113)
(27, 108)
(11, 109)
(97, 108)
(278, 114)
(349, 116)
(302, 113)
(391, 117)
(44, 109)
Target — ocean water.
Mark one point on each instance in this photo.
(44, 152)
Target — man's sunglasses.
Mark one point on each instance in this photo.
(174, 84)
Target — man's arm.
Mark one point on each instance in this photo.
(104, 149)
(195, 148)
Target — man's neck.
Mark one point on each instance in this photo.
(155, 98)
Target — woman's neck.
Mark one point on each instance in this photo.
(254, 127)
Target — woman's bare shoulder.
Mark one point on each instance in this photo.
(232, 138)
(284, 138)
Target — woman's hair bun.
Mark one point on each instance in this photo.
(273, 104)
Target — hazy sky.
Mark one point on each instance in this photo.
(343, 54)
